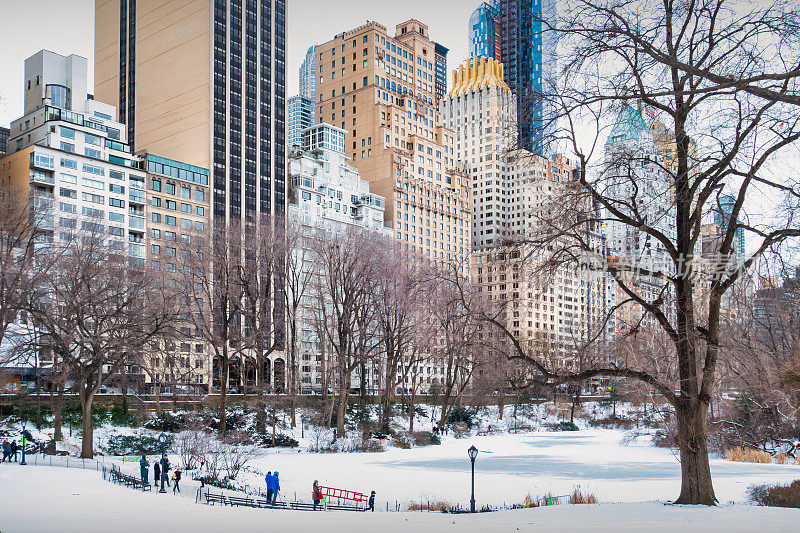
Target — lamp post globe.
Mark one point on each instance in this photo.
(473, 453)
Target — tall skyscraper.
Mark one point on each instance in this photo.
(308, 78)
(529, 55)
(202, 82)
(512, 192)
(633, 174)
(301, 116)
(380, 89)
(440, 70)
(484, 32)
(722, 217)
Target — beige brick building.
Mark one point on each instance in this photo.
(380, 89)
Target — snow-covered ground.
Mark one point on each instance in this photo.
(509, 467)
(38, 499)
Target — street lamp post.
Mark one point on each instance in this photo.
(24, 442)
(162, 440)
(473, 453)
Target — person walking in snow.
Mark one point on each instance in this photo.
(276, 487)
(371, 506)
(156, 472)
(176, 477)
(268, 481)
(201, 475)
(315, 494)
(14, 449)
(144, 468)
(165, 468)
(6, 451)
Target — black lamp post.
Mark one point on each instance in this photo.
(162, 440)
(24, 442)
(473, 453)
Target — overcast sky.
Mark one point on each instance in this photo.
(67, 27)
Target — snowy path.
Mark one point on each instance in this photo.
(37, 499)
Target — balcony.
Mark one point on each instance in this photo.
(136, 196)
(136, 222)
(39, 176)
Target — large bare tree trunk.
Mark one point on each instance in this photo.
(223, 393)
(342, 408)
(696, 485)
(57, 408)
(87, 439)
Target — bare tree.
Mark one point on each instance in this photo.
(213, 304)
(298, 274)
(96, 311)
(346, 303)
(259, 284)
(722, 75)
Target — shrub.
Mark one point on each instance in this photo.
(783, 459)
(72, 414)
(165, 422)
(461, 414)
(776, 495)
(401, 440)
(118, 416)
(38, 415)
(612, 422)
(425, 438)
(281, 441)
(747, 455)
(564, 425)
(460, 430)
(135, 445)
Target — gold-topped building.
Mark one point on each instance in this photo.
(511, 187)
(478, 73)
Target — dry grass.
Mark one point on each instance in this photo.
(578, 497)
(747, 455)
(783, 459)
(531, 501)
(431, 506)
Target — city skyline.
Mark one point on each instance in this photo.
(75, 35)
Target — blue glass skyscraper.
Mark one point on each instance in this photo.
(484, 32)
(528, 53)
(722, 217)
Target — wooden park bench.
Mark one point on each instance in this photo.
(215, 498)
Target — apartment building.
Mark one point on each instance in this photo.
(73, 160)
(381, 90)
(178, 228)
(327, 195)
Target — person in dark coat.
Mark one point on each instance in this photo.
(165, 468)
(268, 480)
(276, 486)
(176, 477)
(144, 468)
(156, 473)
(14, 449)
(315, 494)
(6, 451)
(371, 506)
